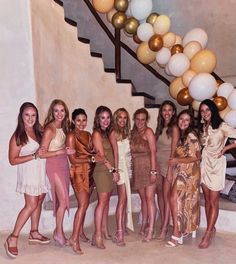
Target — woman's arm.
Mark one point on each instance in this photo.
(14, 153)
(186, 160)
(174, 139)
(114, 145)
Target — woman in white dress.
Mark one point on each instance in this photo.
(31, 176)
(123, 209)
(214, 134)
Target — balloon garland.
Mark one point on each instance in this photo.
(187, 58)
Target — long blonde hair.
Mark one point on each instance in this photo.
(121, 133)
(50, 117)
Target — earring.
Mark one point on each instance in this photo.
(202, 121)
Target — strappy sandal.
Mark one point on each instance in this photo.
(119, 238)
(75, 246)
(175, 241)
(149, 236)
(11, 252)
(42, 240)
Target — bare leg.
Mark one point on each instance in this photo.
(160, 198)
(143, 210)
(174, 210)
(105, 230)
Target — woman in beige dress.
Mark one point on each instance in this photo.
(167, 134)
(214, 134)
(143, 151)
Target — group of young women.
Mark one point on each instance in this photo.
(166, 163)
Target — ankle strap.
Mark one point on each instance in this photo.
(34, 230)
(12, 235)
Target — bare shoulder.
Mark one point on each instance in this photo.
(149, 132)
(96, 135)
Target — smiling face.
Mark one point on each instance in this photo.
(122, 119)
(140, 121)
(184, 121)
(80, 122)
(59, 113)
(167, 113)
(29, 117)
(104, 120)
(205, 113)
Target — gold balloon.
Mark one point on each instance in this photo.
(152, 18)
(203, 61)
(131, 25)
(219, 82)
(118, 20)
(144, 54)
(175, 86)
(103, 6)
(184, 98)
(220, 102)
(155, 43)
(121, 5)
(177, 48)
(136, 39)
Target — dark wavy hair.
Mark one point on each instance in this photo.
(20, 133)
(50, 117)
(161, 121)
(190, 129)
(96, 122)
(75, 113)
(216, 120)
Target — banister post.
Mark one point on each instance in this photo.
(117, 54)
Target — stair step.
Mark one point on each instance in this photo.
(231, 163)
(152, 105)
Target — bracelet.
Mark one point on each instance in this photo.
(93, 160)
(34, 155)
(112, 170)
(153, 172)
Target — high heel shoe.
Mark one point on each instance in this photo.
(11, 252)
(143, 229)
(149, 236)
(60, 240)
(84, 239)
(162, 235)
(119, 238)
(97, 242)
(175, 241)
(39, 239)
(206, 240)
(75, 246)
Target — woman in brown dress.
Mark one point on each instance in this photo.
(82, 165)
(184, 201)
(143, 151)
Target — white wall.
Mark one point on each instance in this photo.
(16, 86)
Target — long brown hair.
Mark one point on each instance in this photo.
(96, 122)
(50, 117)
(161, 121)
(121, 134)
(20, 133)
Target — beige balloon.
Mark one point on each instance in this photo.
(145, 54)
(192, 48)
(178, 39)
(195, 105)
(110, 14)
(203, 61)
(224, 112)
(103, 6)
(162, 24)
(175, 87)
(187, 77)
(169, 39)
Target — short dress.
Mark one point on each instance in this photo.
(82, 173)
(102, 177)
(125, 172)
(213, 168)
(57, 169)
(163, 151)
(141, 162)
(31, 175)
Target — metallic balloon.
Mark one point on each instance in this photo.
(118, 20)
(131, 25)
(121, 5)
(177, 48)
(152, 18)
(184, 98)
(155, 43)
(219, 82)
(221, 102)
(136, 39)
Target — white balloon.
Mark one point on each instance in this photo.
(232, 100)
(196, 34)
(141, 9)
(225, 90)
(145, 31)
(195, 105)
(230, 118)
(167, 70)
(178, 64)
(163, 56)
(202, 86)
